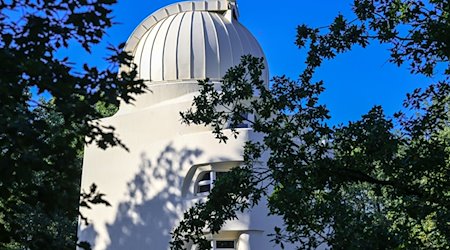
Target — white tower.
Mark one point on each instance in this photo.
(170, 166)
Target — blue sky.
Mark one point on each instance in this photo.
(354, 81)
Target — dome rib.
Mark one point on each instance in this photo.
(146, 65)
(157, 59)
(198, 57)
(163, 51)
(215, 55)
(192, 45)
(204, 38)
(184, 49)
(249, 42)
(171, 48)
(226, 58)
(139, 51)
(234, 36)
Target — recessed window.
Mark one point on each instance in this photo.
(200, 179)
(206, 181)
(224, 244)
(220, 244)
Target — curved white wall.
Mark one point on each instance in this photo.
(146, 185)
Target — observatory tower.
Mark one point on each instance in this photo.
(169, 166)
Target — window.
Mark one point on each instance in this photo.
(220, 245)
(206, 181)
(224, 244)
(200, 178)
(204, 184)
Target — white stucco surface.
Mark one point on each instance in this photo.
(152, 184)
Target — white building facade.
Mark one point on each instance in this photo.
(169, 166)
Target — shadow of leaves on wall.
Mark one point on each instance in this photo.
(153, 202)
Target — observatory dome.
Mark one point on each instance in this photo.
(191, 41)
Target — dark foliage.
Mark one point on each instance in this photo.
(41, 141)
(376, 183)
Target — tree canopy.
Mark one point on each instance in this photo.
(41, 140)
(374, 183)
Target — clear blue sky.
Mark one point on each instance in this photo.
(354, 81)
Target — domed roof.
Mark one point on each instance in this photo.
(191, 41)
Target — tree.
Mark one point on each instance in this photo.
(376, 183)
(41, 141)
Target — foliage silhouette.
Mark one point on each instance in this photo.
(376, 183)
(41, 140)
